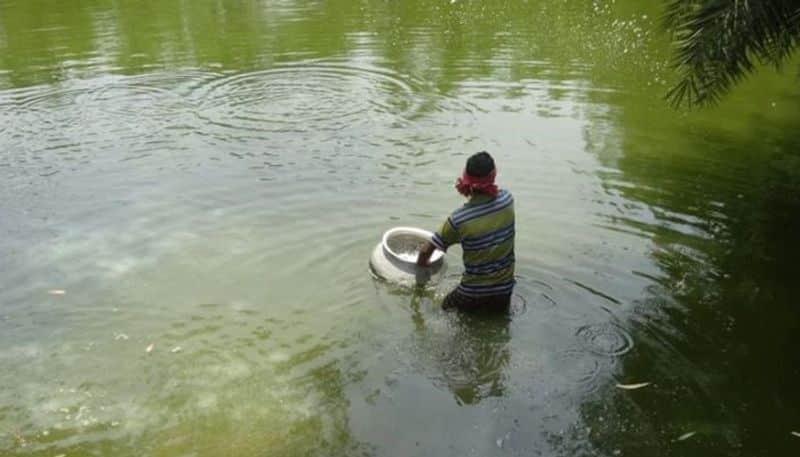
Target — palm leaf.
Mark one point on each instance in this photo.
(719, 42)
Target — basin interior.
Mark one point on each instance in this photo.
(405, 245)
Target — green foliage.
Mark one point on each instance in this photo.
(719, 42)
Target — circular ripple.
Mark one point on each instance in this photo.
(6, 118)
(78, 123)
(134, 100)
(543, 301)
(576, 368)
(49, 110)
(605, 339)
(306, 98)
(518, 305)
(119, 106)
(51, 120)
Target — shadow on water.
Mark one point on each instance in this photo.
(471, 358)
(716, 331)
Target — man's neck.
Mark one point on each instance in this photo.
(478, 198)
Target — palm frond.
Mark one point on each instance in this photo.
(719, 42)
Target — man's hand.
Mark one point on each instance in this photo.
(424, 258)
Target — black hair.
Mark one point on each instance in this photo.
(480, 164)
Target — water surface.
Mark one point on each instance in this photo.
(210, 178)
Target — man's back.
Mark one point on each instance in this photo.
(485, 228)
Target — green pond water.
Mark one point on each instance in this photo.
(209, 177)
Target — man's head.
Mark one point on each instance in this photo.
(480, 164)
(478, 176)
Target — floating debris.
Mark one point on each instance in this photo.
(150, 348)
(797, 434)
(176, 349)
(57, 292)
(80, 412)
(633, 386)
(120, 336)
(686, 436)
(21, 441)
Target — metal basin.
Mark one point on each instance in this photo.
(394, 259)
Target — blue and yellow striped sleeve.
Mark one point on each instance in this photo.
(446, 236)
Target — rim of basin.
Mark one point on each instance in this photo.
(423, 235)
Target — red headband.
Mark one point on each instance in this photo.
(468, 185)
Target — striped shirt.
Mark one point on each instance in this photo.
(485, 228)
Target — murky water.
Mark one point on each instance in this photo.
(190, 192)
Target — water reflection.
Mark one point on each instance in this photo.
(713, 327)
(213, 174)
(471, 357)
(444, 44)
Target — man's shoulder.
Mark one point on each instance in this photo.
(509, 194)
(468, 211)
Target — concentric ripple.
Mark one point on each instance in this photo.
(518, 305)
(576, 368)
(5, 116)
(307, 97)
(86, 118)
(138, 100)
(606, 339)
(53, 111)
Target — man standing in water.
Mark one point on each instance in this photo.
(485, 228)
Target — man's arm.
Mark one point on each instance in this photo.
(425, 254)
(446, 236)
